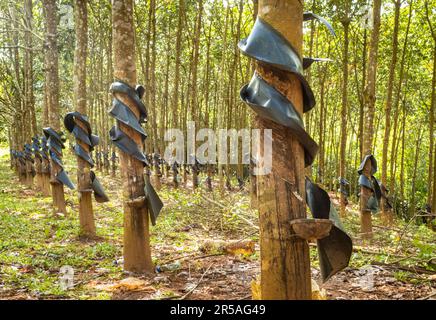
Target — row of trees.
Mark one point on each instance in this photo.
(188, 62)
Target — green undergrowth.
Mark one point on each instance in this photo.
(35, 242)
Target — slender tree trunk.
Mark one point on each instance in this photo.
(432, 157)
(387, 216)
(45, 177)
(52, 80)
(193, 103)
(175, 96)
(342, 152)
(361, 93)
(403, 140)
(396, 103)
(137, 252)
(431, 197)
(222, 80)
(415, 165)
(368, 132)
(152, 74)
(30, 118)
(18, 94)
(86, 214)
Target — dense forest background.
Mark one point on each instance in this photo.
(190, 65)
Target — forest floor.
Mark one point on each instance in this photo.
(400, 263)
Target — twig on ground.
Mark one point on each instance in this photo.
(431, 295)
(414, 269)
(198, 283)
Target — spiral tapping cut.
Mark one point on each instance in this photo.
(123, 114)
(270, 48)
(78, 124)
(55, 144)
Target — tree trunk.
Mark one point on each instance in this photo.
(415, 165)
(361, 93)
(52, 80)
(193, 103)
(45, 163)
(387, 216)
(432, 119)
(86, 214)
(342, 152)
(431, 197)
(137, 252)
(152, 73)
(285, 263)
(368, 129)
(397, 102)
(220, 115)
(175, 96)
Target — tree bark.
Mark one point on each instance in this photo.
(387, 216)
(52, 80)
(86, 214)
(368, 128)
(415, 165)
(342, 172)
(396, 103)
(285, 263)
(431, 197)
(137, 252)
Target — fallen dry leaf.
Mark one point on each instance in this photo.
(128, 284)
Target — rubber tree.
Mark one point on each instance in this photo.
(136, 250)
(285, 262)
(387, 215)
(52, 86)
(86, 214)
(345, 21)
(369, 110)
